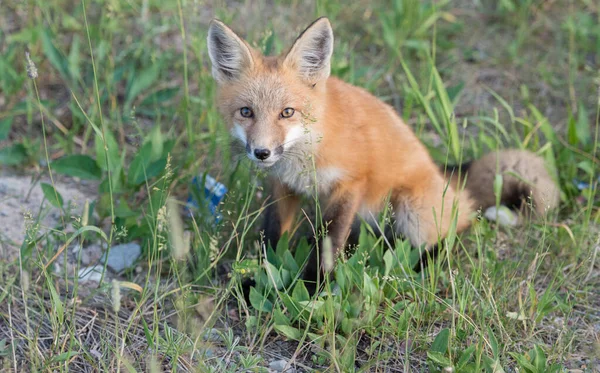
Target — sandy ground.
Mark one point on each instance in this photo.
(23, 208)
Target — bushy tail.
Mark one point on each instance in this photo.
(525, 181)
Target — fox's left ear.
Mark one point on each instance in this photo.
(311, 53)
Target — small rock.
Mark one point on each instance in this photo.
(85, 258)
(208, 353)
(280, 366)
(89, 274)
(212, 335)
(122, 256)
(97, 354)
(91, 254)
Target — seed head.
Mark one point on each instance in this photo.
(328, 255)
(32, 72)
(116, 296)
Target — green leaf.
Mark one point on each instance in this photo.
(544, 124)
(156, 139)
(13, 155)
(74, 59)
(274, 276)
(52, 195)
(439, 358)
(65, 356)
(142, 81)
(144, 167)
(139, 164)
(149, 338)
(300, 292)
(160, 97)
(286, 277)
(5, 126)
(81, 166)
(57, 305)
(27, 246)
(538, 357)
(388, 259)
(289, 263)
(340, 278)
(572, 130)
(447, 112)
(493, 343)
(259, 302)
(493, 365)
(440, 343)
(369, 288)
(280, 318)
(465, 357)
(293, 308)
(524, 363)
(302, 252)
(454, 92)
(122, 209)
(112, 151)
(312, 305)
(583, 125)
(282, 245)
(55, 57)
(289, 331)
(587, 167)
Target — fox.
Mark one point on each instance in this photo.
(315, 134)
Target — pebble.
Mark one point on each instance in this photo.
(122, 256)
(280, 366)
(90, 274)
(212, 335)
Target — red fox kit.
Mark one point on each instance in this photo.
(317, 134)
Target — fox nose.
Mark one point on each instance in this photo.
(262, 154)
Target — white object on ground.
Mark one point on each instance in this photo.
(503, 216)
(280, 366)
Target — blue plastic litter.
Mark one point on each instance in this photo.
(581, 185)
(213, 192)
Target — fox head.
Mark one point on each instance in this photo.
(271, 103)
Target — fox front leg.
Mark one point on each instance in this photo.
(279, 215)
(338, 219)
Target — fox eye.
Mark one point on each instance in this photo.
(246, 112)
(287, 112)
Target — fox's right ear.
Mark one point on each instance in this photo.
(229, 54)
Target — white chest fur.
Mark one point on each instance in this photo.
(304, 178)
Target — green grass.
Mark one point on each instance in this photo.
(124, 100)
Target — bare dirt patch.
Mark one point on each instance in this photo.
(24, 210)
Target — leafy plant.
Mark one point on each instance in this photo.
(535, 362)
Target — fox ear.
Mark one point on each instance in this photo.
(229, 54)
(311, 53)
